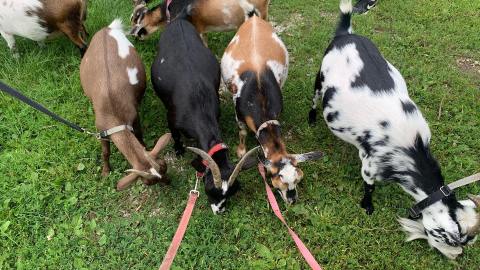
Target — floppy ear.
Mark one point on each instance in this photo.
(161, 144)
(413, 228)
(467, 203)
(308, 156)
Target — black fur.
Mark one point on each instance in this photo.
(186, 77)
(261, 100)
(375, 73)
(408, 107)
(332, 116)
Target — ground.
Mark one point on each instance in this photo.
(57, 212)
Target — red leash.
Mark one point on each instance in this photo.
(273, 203)
(182, 227)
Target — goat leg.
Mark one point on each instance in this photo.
(105, 157)
(137, 130)
(367, 203)
(178, 144)
(10, 39)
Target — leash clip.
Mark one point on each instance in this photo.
(195, 190)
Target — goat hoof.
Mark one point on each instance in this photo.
(368, 207)
(312, 117)
(241, 152)
(105, 172)
(179, 151)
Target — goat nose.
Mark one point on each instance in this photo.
(135, 30)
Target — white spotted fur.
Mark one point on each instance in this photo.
(360, 109)
(132, 75)
(116, 31)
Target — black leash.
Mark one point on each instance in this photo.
(16, 94)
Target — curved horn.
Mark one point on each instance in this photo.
(126, 181)
(143, 174)
(217, 177)
(239, 166)
(476, 228)
(308, 156)
(151, 161)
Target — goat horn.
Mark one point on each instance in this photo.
(151, 161)
(126, 181)
(476, 228)
(239, 166)
(161, 144)
(142, 174)
(217, 177)
(308, 156)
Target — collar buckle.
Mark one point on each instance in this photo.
(446, 191)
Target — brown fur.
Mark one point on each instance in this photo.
(255, 46)
(68, 17)
(105, 81)
(207, 15)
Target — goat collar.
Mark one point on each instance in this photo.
(264, 125)
(217, 147)
(443, 192)
(106, 133)
(167, 12)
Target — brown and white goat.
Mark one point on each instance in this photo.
(38, 19)
(255, 67)
(206, 15)
(113, 77)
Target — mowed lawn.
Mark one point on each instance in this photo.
(57, 212)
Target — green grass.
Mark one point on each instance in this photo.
(55, 214)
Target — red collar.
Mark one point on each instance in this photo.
(167, 12)
(217, 147)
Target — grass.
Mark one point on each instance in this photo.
(57, 212)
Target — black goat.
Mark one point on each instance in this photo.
(186, 77)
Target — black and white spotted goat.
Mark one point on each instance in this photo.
(366, 103)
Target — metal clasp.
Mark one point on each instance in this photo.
(195, 188)
(446, 191)
(413, 214)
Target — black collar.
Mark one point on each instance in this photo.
(416, 210)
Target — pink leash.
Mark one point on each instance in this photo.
(182, 227)
(273, 203)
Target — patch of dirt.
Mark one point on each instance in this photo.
(293, 21)
(329, 15)
(469, 65)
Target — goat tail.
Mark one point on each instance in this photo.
(345, 23)
(249, 9)
(116, 25)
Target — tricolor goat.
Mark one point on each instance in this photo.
(186, 77)
(206, 15)
(366, 103)
(255, 67)
(113, 77)
(38, 19)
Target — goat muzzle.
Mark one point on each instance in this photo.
(476, 228)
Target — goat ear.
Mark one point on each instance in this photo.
(308, 156)
(126, 181)
(467, 203)
(413, 228)
(160, 145)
